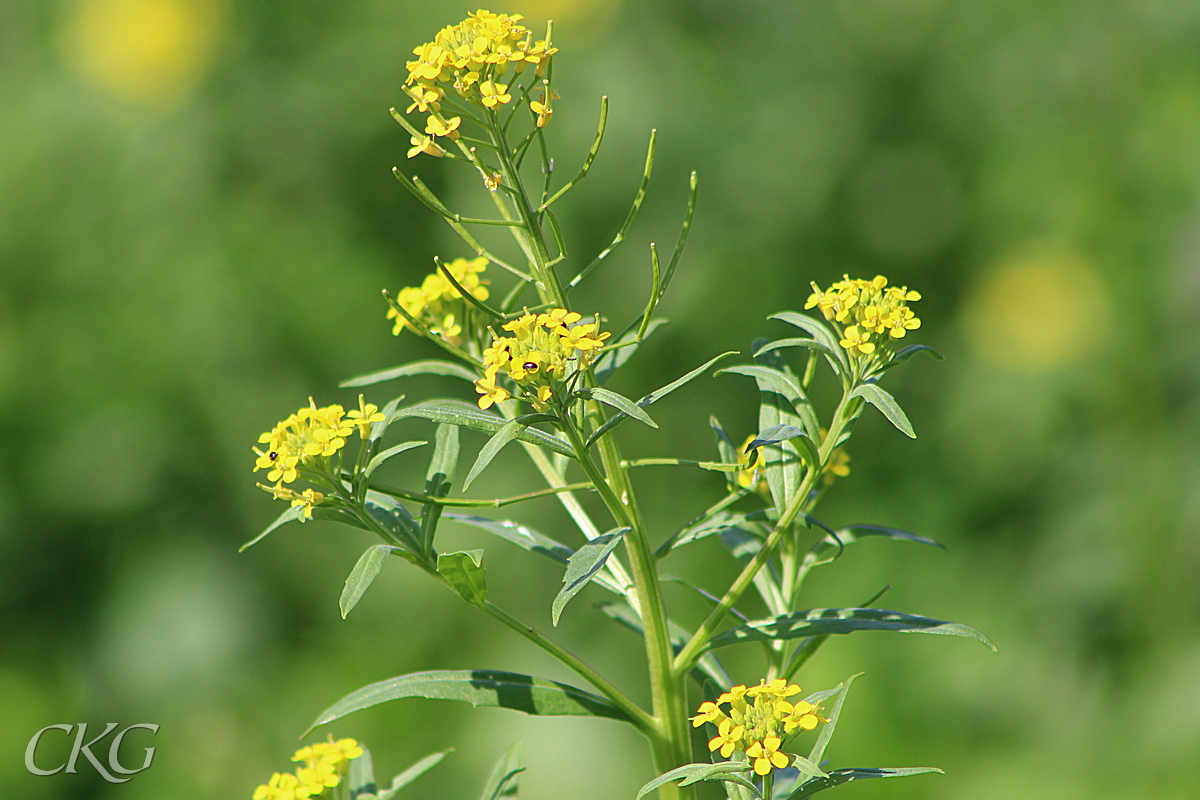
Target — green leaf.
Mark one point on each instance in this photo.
(728, 771)
(508, 431)
(887, 404)
(378, 429)
(395, 518)
(656, 395)
(807, 768)
(905, 353)
(464, 572)
(583, 566)
(616, 353)
(293, 512)
(805, 446)
(364, 572)
(853, 533)
(717, 523)
(479, 687)
(840, 776)
(412, 773)
(619, 402)
(821, 332)
(820, 621)
(438, 479)
(378, 460)
(531, 540)
(361, 778)
(464, 415)
(811, 344)
(707, 669)
(502, 782)
(430, 367)
(772, 380)
(817, 754)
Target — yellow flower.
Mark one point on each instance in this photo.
(424, 144)
(303, 437)
(766, 755)
(543, 348)
(727, 739)
(856, 340)
(492, 94)
(708, 712)
(436, 126)
(364, 416)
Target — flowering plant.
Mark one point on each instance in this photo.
(538, 374)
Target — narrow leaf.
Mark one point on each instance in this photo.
(853, 533)
(378, 429)
(582, 566)
(378, 460)
(479, 688)
(361, 777)
(729, 771)
(438, 479)
(656, 395)
(811, 344)
(819, 621)
(364, 572)
(518, 534)
(394, 517)
(464, 572)
(805, 447)
(840, 776)
(708, 668)
(429, 367)
(821, 332)
(817, 754)
(293, 512)
(508, 431)
(502, 782)
(888, 405)
(621, 403)
(412, 773)
(464, 415)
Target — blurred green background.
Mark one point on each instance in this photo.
(196, 219)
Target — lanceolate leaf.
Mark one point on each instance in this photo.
(412, 773)
(438, 479)
(656, 395)
(361, 777)
(378, 460)
(364, 573)
(583, 565)
(508, 431)
(502, 782)
(464, 572)
(811, 344)
(729, 771)
(717, 523)
(431, 367)
(852, 533)
(621, 403)
(479, 688)
(805, 447)
(531, 540)
(821, 332)
(294, 512)
(840, 776)
(817, 754)
(388, 512)
(820, 621)
(886, 404)
(464, 415)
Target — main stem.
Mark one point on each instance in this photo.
(670, 738)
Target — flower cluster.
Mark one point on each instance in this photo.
(304, 438)
(866, 309)
(473, 59)
(324, 765)
(536, 357)
(437, 304)
(757, 721)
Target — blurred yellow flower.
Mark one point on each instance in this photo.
(149, 52)
(1039, 309)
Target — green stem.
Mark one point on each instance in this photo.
(691, 652)
(640, 719)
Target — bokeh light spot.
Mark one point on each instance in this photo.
(1040, 308)
(149, 52)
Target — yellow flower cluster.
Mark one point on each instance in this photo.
(324, 765)
(473, 58)
(437, 304)
(536, 356)
(309, 434)
(865, 309)
(757, 721)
